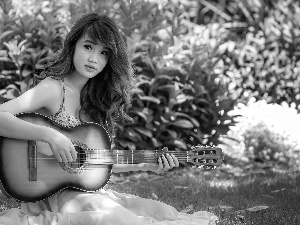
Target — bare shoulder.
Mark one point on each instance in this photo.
(48, 81)
(44, 95)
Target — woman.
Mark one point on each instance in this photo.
(90, 80)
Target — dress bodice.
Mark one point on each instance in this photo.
(62, 117)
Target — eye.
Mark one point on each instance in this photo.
(88, 47)
(105, 52)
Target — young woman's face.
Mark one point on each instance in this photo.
(89, 57)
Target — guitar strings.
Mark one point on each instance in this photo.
(119, 161)
(124, 157)
(129, 156)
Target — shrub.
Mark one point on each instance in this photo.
(265, 58)
(266, 132)
(181, 97)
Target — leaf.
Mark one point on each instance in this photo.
(194, 121)
(182, 98)
(6, 33)
(276, 191)
(180, 144)
(142, 115)
(128, 144)
(5, 59)
(10, 94)
(257, 208)
(183, 124)
(225, 207)
(184, 187)
(144, 131)
(132, 135)
(188, 209)
(25, 73)
(150, 98)
(155, 142)
(154, 196)
(163, 76)
(216, 9)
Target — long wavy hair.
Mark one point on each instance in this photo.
(105, 97)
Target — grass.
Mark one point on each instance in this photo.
(274, 193)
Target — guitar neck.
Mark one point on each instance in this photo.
(134, 156)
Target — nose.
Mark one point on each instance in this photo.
(92, 59)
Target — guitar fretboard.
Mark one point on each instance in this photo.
(107, 156)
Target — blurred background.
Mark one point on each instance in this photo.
(221, 72)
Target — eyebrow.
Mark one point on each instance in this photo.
(89, 41)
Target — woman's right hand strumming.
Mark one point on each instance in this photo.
(62, 147)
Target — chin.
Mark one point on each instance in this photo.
(88, 75)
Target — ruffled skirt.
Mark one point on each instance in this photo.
(105, 207)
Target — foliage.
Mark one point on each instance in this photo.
(180, 99)
(268, 136)
(264, 35)
(27, 43)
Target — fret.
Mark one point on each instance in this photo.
(117, 156)
(97, 156)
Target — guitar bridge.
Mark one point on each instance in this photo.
(32, 161)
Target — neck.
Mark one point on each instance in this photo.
(75, 81)
(132, 156)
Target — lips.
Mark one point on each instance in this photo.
(89, 67)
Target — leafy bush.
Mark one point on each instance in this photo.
(264, 35)
(181, 98)
(264, 133)
(27, 43)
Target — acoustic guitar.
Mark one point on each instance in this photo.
(29, 172)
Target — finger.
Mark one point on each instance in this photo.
(175, 160)
(74, 154)
(63, 158)
(160, 166)
(57, 156)
(69, 157)
(166, 163)
(170, 160)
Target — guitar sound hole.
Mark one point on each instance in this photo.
(81, 158)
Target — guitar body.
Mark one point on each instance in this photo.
(47, 176)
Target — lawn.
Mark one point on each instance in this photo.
(237, 195)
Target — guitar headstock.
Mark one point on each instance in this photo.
(207, 157)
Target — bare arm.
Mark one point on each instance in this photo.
(36, 98)
(12, 127)
(43, 95)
